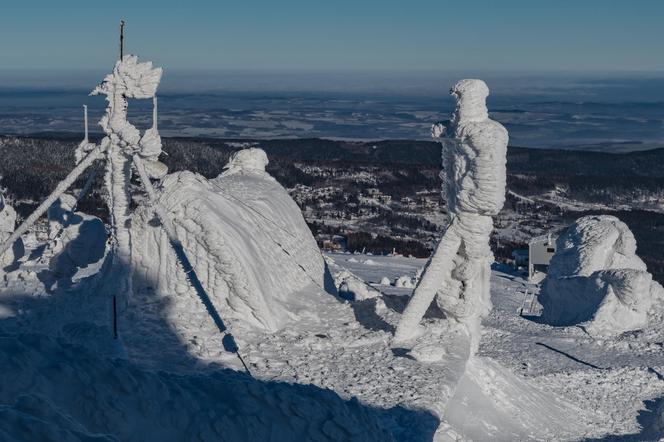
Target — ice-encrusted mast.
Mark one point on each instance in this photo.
(474, 175)
(129, 79)
(122, 148)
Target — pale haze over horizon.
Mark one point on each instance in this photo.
(416, 36)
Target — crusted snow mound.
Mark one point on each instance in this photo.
(77, 240)
(596, 278)
(245, 237)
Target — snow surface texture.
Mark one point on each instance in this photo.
(245, 238)
(56, 392)
(474, 178)
(596, 279)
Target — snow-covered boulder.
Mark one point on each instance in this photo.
(405, 282)
(77, 240)
(245, 237)
(352, 288)
(597, 280)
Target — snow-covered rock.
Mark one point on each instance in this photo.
(245, 237)
(77, 240)
(351, 287)
(596, 279)
(404, 282)
(385, 281)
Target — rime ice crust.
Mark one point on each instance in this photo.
(252, 159)
(245, 237)
(597, 280)
(129, 79)
(474, 177)
(7, 226)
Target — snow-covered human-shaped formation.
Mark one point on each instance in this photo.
(597, 280)
(474, 176)
(246, 239)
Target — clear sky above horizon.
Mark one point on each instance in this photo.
(416, 35)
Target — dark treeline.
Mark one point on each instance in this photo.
(31, 167)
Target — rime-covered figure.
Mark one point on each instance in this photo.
(474, 158)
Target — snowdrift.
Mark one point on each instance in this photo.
(245, 237)
(596, 279)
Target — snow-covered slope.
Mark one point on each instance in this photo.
(55, 392)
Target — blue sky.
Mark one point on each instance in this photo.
(415, 35)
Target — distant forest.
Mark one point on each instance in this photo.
(32, 166)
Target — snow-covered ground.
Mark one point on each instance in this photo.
(529, 381)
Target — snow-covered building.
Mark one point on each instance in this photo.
(540, 251)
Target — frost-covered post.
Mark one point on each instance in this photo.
(474, 175)
(129, 79)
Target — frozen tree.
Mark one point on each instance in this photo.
(474, 175)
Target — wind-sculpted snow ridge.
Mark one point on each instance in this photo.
(57, 392)
(474, 176)
(597, 280)
(245, 237)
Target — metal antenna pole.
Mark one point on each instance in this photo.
(122, 25)
(85, 121)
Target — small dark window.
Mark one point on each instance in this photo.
(550, 250)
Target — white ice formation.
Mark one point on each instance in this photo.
(7, 225)
(474, 177)
(77, 240)
(596, 279)
(353, 288)
(129, 79)
(245, 237)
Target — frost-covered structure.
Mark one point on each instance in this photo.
(129, 79)
(7, 225)
(474, 175)
(596, 279)
(245, 238)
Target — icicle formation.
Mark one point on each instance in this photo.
(129, 79)
(596, 279)
(474, 175)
